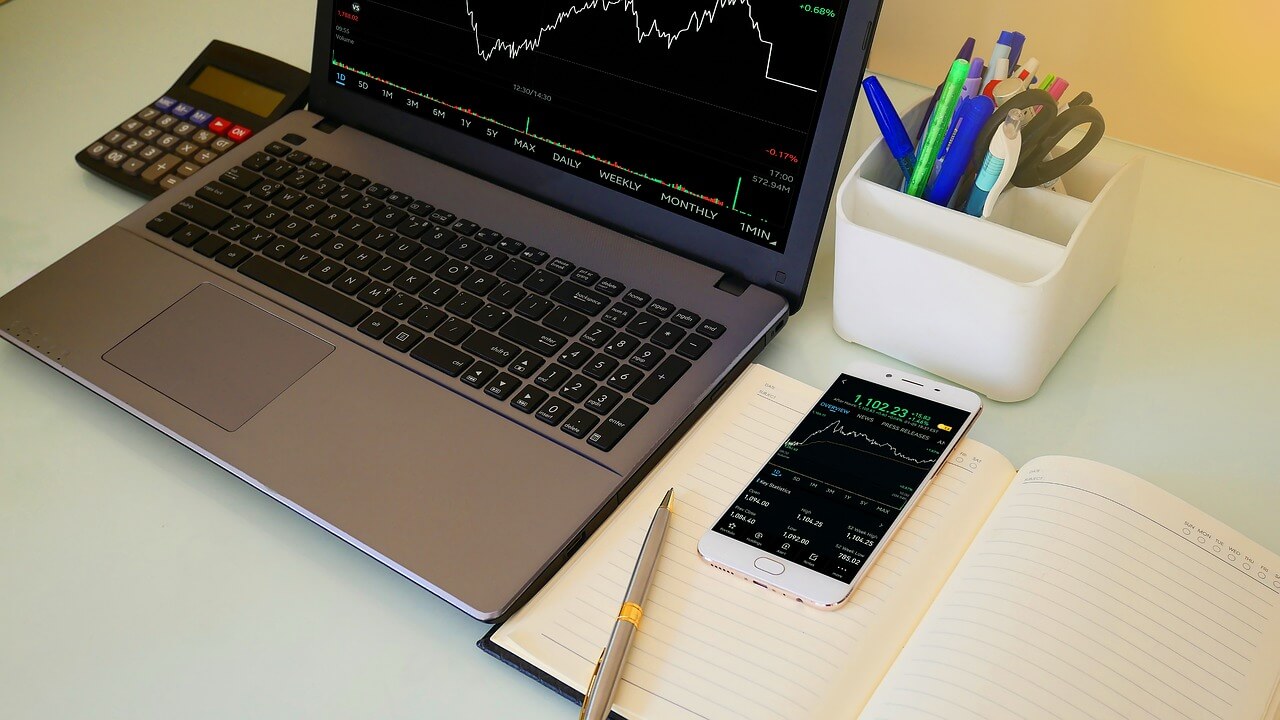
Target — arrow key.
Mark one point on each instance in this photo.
(502, 386)
(528, 399)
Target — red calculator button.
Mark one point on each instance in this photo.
(239, 133)
(219, 125)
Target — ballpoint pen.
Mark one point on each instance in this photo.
(604, 681)
(895, 134)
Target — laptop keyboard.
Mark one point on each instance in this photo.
(576, 350)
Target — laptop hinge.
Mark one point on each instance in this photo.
(327, 126)
(733, 284)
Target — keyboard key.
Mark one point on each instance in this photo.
(270, 217)
(579, 298)
(454, 331)
(541, 282)
(297, 157)
(343, 198)
(317, 165)
(279, 250)
(438, 292)
(465, 227)
(338, 248)
(575, 355)
(336, 173)
(454, 271)
(480, 283)
(528, 399)
(463, 248)
(486, 236)
(377, 190)
(200, 212)
(279, 170)
(333, 219)
(602, 400)
(240, 178)
(534, 307)
(494, 349)
(635, 297)
(403, 338)
(379, 238)
(326, 270)
(684, 318)
(577, 388)
(560, 266)
(489, 259)
(553, 377)
(376, 325)
(661, 379)
(711, 329)
(442, 217)
(506, 295)
(309, 210)
(643, 325)
(363, 258)
(610, 287)
(189, 235)
(387, 269)
(248, 207)
(478, 374)
(501, 386)
(463, 305)
(366, 207)
(315, 237)
(693, 346)
(401, 306)
(235, 228)
(647, 357)
(356, 228)
(661, 308)
(302, 260)
(412, 282)
(618, 315)
(583, 276)
(292, 227)
(554, 412)
(358, 182)
(617, 425)
(534, 256)
(375, 293)
(426, 259)
(438, 237)
(526, 364)
(232, 255)
(667, 336)
(266, 189)
(389, 216)
(515, 270)
(165, 224)
(622, 346)
(625, 378)
(306, 291)
(210, 246)
(510, 245)
(427, 318)
(412, 227)
(597, 335)
(442, 357)
(533, 336)
(277, 148)
(491, 317)
(420, 208)
(600, 367)
(562, 319)
(580, 423)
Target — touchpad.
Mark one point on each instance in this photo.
(219, 356)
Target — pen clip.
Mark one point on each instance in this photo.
(586, 697)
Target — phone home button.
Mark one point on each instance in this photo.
(773, 567)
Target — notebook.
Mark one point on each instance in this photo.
(1064, 589)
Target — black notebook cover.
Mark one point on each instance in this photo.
(487, 644)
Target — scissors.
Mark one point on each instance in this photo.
(1042, 135)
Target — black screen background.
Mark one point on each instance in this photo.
(827, 497)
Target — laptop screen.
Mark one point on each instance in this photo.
(705, 108)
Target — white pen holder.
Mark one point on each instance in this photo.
(990, 304)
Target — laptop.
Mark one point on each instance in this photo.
(456, 309)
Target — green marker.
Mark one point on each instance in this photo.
(938, 122)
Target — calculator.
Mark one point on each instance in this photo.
(225, 96)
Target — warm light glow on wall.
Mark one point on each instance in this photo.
(1191, 78)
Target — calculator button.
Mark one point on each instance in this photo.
(183, 129)
(202, 137)
(149, 133)
(199, 117)
(131, 126)
(162, 167)
(114, 138)
(165, 102)
(164, 122)
(185, 149)
(204, 157)
(150, 153)
(148, 114)
(187, 169)
(97, 150)
(114, 158)
(132, 166)
(169, 181)
(132, 145)
(168, 141)
(222, 145)
(219, 125)
(181, 110)
(239, 133)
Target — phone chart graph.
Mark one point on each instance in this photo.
(705, 108)
(837, 434)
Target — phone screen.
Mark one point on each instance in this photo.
(829, 495)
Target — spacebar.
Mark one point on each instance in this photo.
(304, 290)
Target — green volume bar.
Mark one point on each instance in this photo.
(928, 150)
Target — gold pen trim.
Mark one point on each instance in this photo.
(586, 696)
(631, 613)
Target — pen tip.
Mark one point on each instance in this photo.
(666, 500)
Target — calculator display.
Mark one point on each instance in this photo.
(222, 85)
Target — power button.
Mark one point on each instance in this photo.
(773, 567)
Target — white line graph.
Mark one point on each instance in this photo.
(837, 428)
(697, 20)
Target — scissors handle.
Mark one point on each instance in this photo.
(1035, 167)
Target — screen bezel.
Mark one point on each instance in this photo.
(787, 273)
(805, 583)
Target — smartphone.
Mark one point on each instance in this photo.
(815, 517)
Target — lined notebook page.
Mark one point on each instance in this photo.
(715, 646)
(1093, 594)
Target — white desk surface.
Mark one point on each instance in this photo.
(141, 581)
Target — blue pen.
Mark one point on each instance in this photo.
(955, 161)
(895, 135)
(1016, 41)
